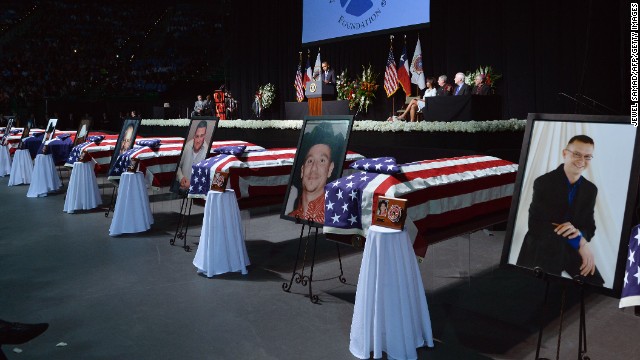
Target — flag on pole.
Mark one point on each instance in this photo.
(631, 283)
(417, 75)
(308, 75)
(391, 75)
(317, 68)
(403, 72)
(298, 83)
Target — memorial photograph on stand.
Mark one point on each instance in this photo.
(26, 130)
(125, 139)
(319, 160)
(7, 130)
(574, 199)
(83, 131)
(50, 130)
(195, 149)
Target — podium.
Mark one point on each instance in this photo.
(316, 91)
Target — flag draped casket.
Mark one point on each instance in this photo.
(99, 152)
(441, 194)
(260, 178)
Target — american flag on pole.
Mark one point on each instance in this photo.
(403, 72)
(391, 75)
(631, 282)
(439, 193)
(298, 84)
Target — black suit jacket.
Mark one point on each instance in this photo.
(444, 90)
(481, 90)
(542, 247)
(330, 77)
(464, 89)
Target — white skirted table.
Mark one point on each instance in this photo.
(44, 177)
(221, 248)
(21, 168)
(133, 212)
(5, 160)
(390, 313)
(83, 192)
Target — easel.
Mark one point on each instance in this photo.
(300, 277)
(183, 222)
(582, 329)
(112, 203)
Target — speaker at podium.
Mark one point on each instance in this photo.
(316, 91)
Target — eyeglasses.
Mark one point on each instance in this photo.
(576, 155)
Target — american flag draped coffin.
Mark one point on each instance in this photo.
(251, 174)
(441, 193)
(99, 152)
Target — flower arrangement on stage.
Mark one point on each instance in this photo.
(490, 76)
(346, 88)
(366, 125)
(366, 90)
(263, 98)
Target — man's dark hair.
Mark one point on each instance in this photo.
(581, 138)
(202, 124)
(323, 134)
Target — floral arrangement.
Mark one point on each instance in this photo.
(366, 125)
(366, 89)
(490, 76)
(268, 93)
(346, 88)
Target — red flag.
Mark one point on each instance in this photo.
(403, 72)
(391, 75)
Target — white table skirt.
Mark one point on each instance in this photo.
(390, 313)
(5, 160)
(21, 168)
(83, 192)
(133, 212)
(221, 248)
(44, 177)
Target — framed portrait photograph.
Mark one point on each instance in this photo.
(126, 139)
(319, 159)
(196, 148)
(25, 134)
(574, 199)
(7, 130)
(83, 131)
(50, 130)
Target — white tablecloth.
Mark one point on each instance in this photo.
(5, 160)
(83, 192)
(221, 248)
(390, 313)
(44, 177)
(133, 212)
(21, 168)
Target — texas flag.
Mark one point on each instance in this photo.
(308, 75)
(403, 72)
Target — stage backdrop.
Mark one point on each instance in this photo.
(588, 55)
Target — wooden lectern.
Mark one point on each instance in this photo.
(315, 92)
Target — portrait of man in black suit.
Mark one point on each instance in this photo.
(561, 217)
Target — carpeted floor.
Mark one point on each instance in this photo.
(138, 297)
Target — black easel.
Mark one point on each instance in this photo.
(300, 277)
(112, 202)
(183, 223)
(582, 329)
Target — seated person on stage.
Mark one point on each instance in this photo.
(460, 88)
(207, 107)
(481, 88)
(416, 105)
(198, 107)
(444, 89)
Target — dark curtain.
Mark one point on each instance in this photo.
(541, 48)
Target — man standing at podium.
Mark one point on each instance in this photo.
(327, 75)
